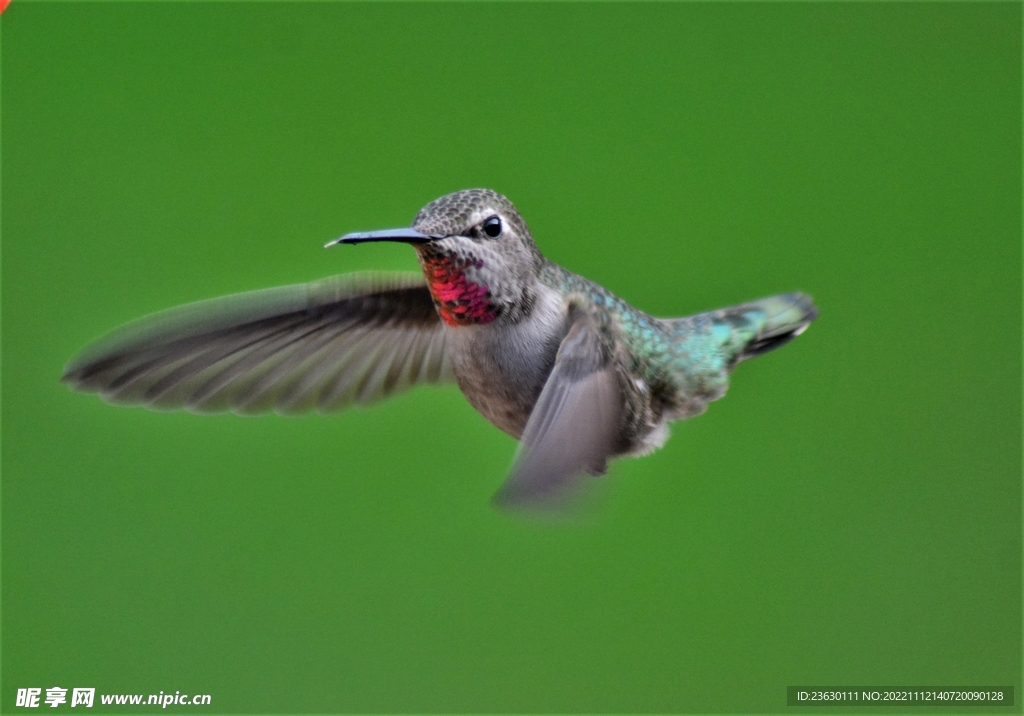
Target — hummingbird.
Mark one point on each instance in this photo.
(558, 362)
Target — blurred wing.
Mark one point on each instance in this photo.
(322, 345)
(573, 427)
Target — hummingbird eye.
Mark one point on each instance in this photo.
(492, 227)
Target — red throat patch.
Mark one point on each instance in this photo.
(459, 301)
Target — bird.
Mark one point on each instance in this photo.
(560, 363)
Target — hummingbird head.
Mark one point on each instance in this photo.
(477, 254)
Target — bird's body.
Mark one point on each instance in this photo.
(547, 356)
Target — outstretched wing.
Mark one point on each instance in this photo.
(322, 345)
(573, 427)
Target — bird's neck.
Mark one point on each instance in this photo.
(460, 295)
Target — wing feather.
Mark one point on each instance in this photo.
(322, 345)
(572, 429)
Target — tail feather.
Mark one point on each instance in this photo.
(754, 328)
(785, 317)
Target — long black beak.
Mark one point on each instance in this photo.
(407, 236)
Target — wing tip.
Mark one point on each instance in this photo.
(564, 508)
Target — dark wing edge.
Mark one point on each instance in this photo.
(323, 345)
(573, 427)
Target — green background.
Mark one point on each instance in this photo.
(848, 514)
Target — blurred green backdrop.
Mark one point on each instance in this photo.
(848, 514)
